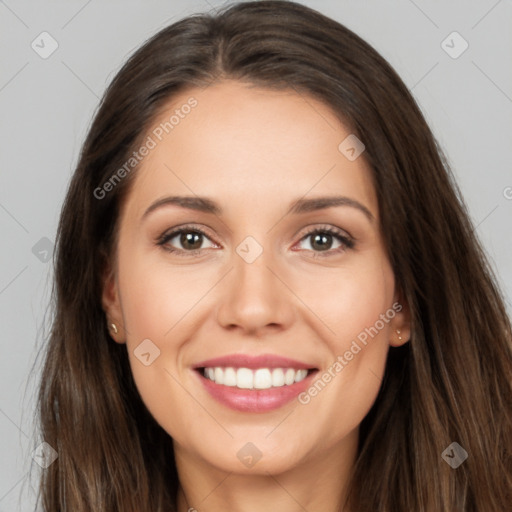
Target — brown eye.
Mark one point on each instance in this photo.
(190, 240)
(321, 240)
(184, 240)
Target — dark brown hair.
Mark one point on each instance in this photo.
(451, 382)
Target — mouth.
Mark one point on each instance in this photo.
(254, 384)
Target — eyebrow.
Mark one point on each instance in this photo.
(206, 205)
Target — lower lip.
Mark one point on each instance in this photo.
(255, 400)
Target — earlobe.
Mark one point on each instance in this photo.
(400, 338)
(401, 323)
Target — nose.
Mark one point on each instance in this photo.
(255, 297)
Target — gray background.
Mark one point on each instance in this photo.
(47, 105)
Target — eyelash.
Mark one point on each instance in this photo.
(347, 242)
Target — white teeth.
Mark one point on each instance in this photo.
(262, 378)
(289, 376)
(244, 378)
(277, 378)
(300, 375)
(229, 377)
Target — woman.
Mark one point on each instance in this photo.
(268, 292)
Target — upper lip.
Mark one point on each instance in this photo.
(253, 362)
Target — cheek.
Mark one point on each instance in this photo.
(357, 307)
(159, 305)
(349, 300)
(362, 325)
(156, 297)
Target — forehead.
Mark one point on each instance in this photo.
(235, 141)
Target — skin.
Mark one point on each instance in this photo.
(254, 151)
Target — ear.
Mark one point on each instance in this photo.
(112, 306)
(401, 322)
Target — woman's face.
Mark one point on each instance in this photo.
(258, 285)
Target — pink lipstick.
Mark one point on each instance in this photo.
(254, 383)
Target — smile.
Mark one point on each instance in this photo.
(257, 384)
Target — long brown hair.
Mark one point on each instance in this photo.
(450, 383)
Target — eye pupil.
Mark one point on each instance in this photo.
(323, 239)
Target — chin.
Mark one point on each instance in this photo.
(253, 458)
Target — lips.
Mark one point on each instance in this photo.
(254, 362)
(264, 395)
